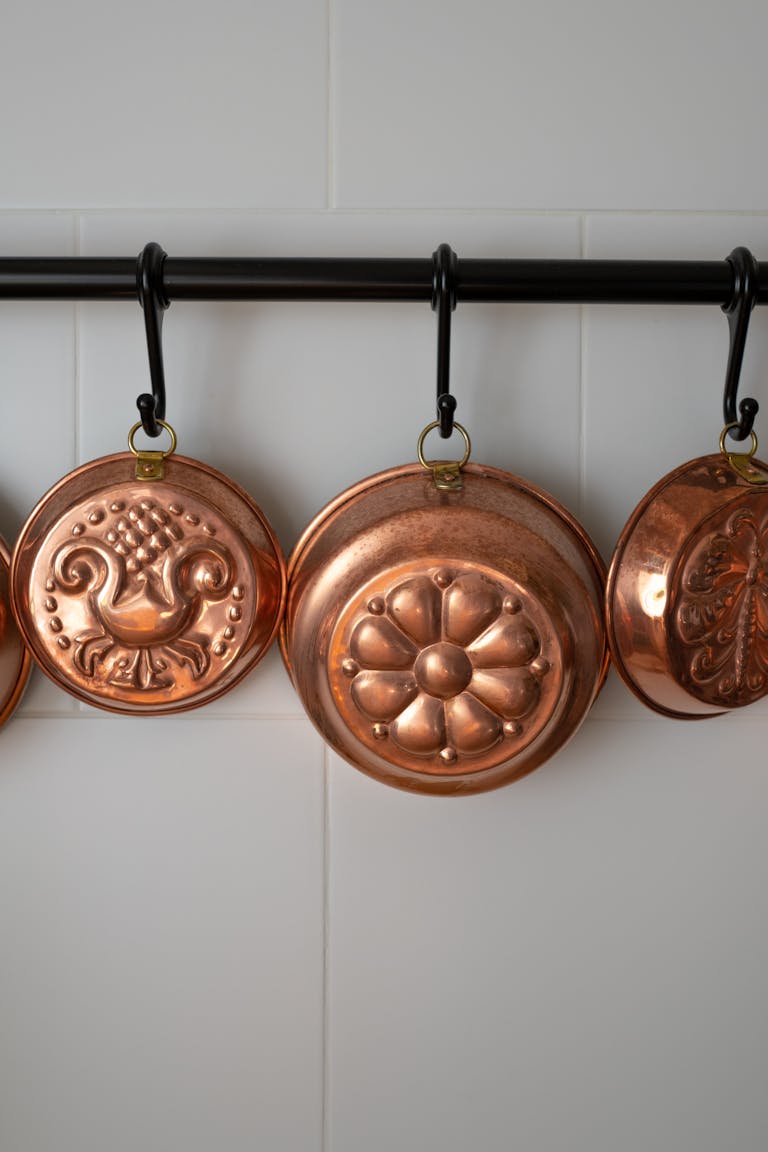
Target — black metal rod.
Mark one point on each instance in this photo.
(385, 279)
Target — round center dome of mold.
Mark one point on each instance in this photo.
(443, 670)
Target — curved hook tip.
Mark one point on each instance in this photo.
(148, 413)
(748, 409)
(446, 406)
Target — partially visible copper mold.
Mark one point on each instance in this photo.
(15, 661)
(687, 594)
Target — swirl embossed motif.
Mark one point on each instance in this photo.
(721, 615)
(446, 668)
(128, 597)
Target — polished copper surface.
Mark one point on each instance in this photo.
(15, 661)
(445, 641)
(687, 593)
(147, 596)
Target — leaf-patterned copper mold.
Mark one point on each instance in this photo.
(720, 614)
(687, 593)
(147, 596)
(445, 641)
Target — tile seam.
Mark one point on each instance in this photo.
(330, 158)
(105, 714)
(249, 212)
(582, 457)
(77, 362)
(325, 1069)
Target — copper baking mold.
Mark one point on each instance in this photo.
(445, 641)
(147, 596)
(687, 593)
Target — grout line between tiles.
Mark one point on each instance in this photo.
(36, 714)
(45, 714)
(247, 210)
(582, 458)
(325, 1072)
(88, 714)
(77, 397)
(330, 159)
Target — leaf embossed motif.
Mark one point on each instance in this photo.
(720, 611)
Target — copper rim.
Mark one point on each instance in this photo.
(684, 592)
(15, 660)
(445, 642)
(144, 596)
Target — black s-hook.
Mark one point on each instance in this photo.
(444, 302)
(149, 286)
(738, 310)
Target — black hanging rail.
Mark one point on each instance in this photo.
(157, 279)
(381, 279)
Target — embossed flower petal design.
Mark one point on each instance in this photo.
(445, 665)
(722, 612)
(383, 695)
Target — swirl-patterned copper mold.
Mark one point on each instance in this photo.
(147, 596)
(445, 641)
(15, 661)
(687, 593)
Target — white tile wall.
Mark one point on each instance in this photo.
(440, 103)
(161, 959)
(214, 934)
(163, 103)
(573, 962)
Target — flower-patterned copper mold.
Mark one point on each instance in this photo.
(15, 661)
(445, 641)
(687, 593)
(147, 596)
(453, 665)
